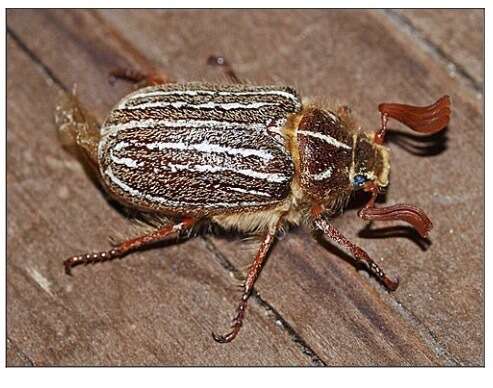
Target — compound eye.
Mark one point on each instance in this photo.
(359, 180)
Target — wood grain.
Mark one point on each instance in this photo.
(313, 307)
(456, 35)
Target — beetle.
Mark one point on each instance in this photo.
(251, 158)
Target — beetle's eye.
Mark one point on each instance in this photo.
(359, 180)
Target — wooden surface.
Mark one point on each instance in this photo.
(159, 306)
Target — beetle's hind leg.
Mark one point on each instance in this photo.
(359, 254)
(252, 275)
(125, 247)
(140, 78)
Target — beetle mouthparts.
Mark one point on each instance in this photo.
(402, 212)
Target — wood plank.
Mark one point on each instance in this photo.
(156, 308)
(456, 34)
(344, 316)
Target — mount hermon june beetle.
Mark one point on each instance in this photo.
(245, 157)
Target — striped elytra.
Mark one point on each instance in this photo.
(198, 148)
(246, 157)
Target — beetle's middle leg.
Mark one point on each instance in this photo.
(220, 61)
(127, 246)
(359, 254)
(252, 275)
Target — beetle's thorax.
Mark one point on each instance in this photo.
(322, 152)
(329, 152)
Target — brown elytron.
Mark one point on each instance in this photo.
(245, 157)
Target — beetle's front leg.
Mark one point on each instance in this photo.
(253, 273)
(359, 254)
(130, 245)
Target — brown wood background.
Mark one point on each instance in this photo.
(159, 306)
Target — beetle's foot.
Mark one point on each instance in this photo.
(89, 258)
(223, 339)
(389, 283)
(235, 324)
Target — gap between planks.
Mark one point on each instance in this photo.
(22, 356)
(37, 61)
(428, 335)
(405, 25)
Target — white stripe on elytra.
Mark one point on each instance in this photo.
(220, 93)
(332, 116)
(153, 123)
(322, 175)
(269, 177)
(255, 192)
(136, 193)
(121, 145)
(107, 131)
(207, 147)
(326, 138)
(125, 161)
(185, 104)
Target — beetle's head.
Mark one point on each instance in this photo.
(370, 163)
